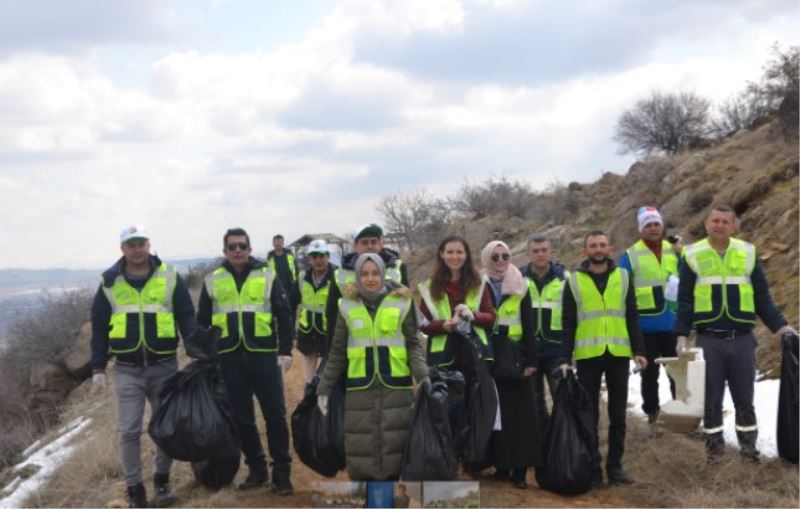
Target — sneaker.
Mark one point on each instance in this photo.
(164, 496)
(619, 477)
(256, 478)
(137, 496)
(281, 485)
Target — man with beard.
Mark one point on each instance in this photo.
(601, 332)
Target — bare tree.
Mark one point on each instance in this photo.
(406, 214)
(666, 122)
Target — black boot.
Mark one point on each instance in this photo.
(137, 496)
(164, 496)
(281, 484)
(618, 476)
(256, 478)
(747, 444)
(597, 478)
(715, 447)
(518, 478)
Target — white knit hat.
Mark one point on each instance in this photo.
(647, 215)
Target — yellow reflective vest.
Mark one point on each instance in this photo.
(723, 287)
(601, 320)
(440, 351)
(289, 262)
(376, 348)
(245, 316)
(509, 315)
(143, 318)
(549, 298)
(312, 314)
(650, 276)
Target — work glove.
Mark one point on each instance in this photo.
(786, 329)
(564, 368)
(465, 312)
(98, 382)
(322, 404)
(680, 346)
(285, 362)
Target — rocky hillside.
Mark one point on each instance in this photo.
(755, 172)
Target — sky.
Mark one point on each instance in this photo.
(293, 117)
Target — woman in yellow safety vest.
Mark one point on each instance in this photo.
(517, 444)
(376, 345)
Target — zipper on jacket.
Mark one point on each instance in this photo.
(141, 331)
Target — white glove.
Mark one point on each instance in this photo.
(322, 404)
(285, 362)
(464, 311)
(98, 381)
(671, 292)
(564, 368)
(786, 329)
(680, 346)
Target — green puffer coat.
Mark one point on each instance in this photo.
(376, 419)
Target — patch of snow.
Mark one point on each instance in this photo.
(48, 458)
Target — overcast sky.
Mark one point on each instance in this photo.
(291, 116)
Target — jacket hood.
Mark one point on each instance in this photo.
(115, 270)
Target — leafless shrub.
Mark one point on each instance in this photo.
(416, 217)
(666, 122)
(498, 195)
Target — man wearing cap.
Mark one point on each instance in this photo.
(246, 300)
(722, 290)
(368, 239)
(652, 264)
(282, 262)
(139, 307)
(311, 293)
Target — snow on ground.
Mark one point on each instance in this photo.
(47, 458)
(765, 401)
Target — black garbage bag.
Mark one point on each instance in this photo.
(319, 439)
(429, 454)
(218, 472)
(481, 403)
(569, 441)
(455, 384)
(202, 344)
(194, 420)
(788, 407)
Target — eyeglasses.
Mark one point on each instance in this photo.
(241, 246)
(505, 256)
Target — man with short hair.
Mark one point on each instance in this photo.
(601, 332)
(310, 292)
(546, 281)
(134, 316)
(282, 262)
(245, 299)
(652, 264)
(367, 239)
(722, 290)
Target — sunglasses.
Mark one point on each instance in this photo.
(241, 246)
(505, 257)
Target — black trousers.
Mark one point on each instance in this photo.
(246, 375)
(590, 374)
(657, 344)
(732, 361)
(544, 371)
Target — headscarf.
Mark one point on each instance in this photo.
(370, 297)
(513, 282)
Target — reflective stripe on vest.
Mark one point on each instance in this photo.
(440, 352)
(549, 298)
(312, 316)
(509, 315)
(601, 318)
(724, 277)
(649, 274)
(150, 308)
(377, 343)
(231, 307)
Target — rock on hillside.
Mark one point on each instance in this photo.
(756, 172)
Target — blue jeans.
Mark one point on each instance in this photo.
(248, 374)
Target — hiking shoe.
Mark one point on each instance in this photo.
(619, 477)
(652, 419)
(518, 478)
(164, 496)
(137, 496)
(281, 485)
(256, 478)
(597, 479)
